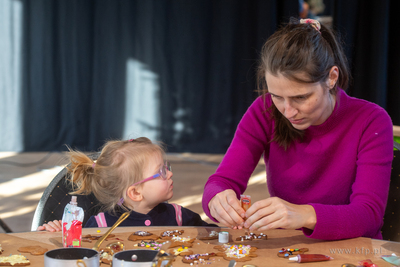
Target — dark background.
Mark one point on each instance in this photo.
(203, 51)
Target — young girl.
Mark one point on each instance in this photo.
(128, 175)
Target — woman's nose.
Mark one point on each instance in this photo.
(290, 111)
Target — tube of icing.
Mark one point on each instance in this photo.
(245, 201)
(310, 258)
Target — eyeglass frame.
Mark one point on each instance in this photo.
(166, 166)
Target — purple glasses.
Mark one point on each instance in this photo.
(162, 172)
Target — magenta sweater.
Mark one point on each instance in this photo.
(342, 167)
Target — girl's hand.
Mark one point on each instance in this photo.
(54, 226)
(226, 208)
(273, 212)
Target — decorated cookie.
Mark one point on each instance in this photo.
(286, 253)
(252, 236)
(116, 247)
(91, 238)
(169, 234)
(177, 241)
(181, 251)
(34, 250)
(142, 235)
(106, 256)
(14, 260)
(211, 235)
(197, 257)
(236, 252)
(153, 245)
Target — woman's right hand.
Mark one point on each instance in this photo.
(226, 208)
(53, 226)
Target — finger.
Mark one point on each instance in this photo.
(219, 213)
(40, 228)
(259, 205)
(235, 212)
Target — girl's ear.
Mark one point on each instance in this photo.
(134, 193)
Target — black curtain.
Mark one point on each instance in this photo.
(203, 51)
(370, 32)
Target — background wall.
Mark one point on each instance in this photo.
(79, 72)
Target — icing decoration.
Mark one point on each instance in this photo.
(236, 252)
(286, 253)
(153, 245)
(252, 236)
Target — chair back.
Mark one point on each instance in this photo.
(391, 220)
(56, 196)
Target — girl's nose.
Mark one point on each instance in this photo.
(169, 174)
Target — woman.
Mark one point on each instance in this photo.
(327, 155)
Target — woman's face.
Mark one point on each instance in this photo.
(303, 104)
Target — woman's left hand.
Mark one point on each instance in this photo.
(273, 212)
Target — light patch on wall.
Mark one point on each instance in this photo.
(142, 108)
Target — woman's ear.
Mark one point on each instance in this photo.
(134, 193)
(333, 77)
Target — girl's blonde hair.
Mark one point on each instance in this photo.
(119, 165)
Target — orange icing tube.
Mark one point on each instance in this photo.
(245, 201)
(310, 258)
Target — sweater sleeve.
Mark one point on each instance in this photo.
(247, 146)
(363, 216)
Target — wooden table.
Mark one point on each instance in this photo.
(343, 251)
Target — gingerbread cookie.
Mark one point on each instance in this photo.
(167, 235)
(106, 256)
(286, 253)
(14, 260)
(252, 236)
(153, 245)
(236, 252)
(177, 241)
(115, 247)
(211, 235)
(142, 235)
(181, 251)
(197, 257)
(34, 250)
(91, 238)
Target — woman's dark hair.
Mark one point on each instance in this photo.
(297, 51)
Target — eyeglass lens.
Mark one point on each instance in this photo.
(164, 169)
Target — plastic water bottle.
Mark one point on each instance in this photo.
(72, 224)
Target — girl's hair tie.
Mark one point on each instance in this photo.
(94, 164)
(315, 23)
(120, 201)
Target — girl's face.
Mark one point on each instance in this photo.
(159, 189)
(303, 104)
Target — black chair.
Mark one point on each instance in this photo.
(391, 225)
(56, 196)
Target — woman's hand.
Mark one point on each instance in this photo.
(54, 226)
(273, 212)
(226, 208)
